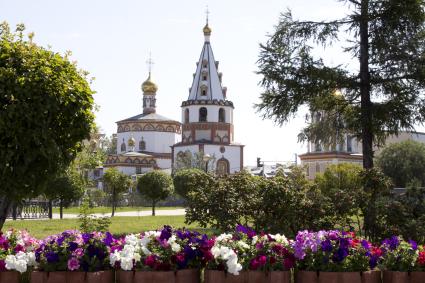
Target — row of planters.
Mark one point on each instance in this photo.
(178, 256)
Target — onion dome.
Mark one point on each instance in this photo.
(131, 142)
(207, 30)
(149, 85)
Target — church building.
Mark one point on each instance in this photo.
(207, 117)
(144, 141)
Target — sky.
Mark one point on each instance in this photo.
(113, 39)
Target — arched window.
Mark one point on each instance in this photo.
(221, 115)
(203, 113)
(186, 116)
(223, 166)
(123, 147)
(204, 90)
(142, 145)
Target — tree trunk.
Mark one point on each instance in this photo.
(4, 208)
(366, 115)
(113, 202)
(61, 209)
(366, 104)
(153, 208)
(50, 209)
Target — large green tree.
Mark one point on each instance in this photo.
(45, 112)
(404, 163)
(156, 186)
(381, 94)
(115, 183)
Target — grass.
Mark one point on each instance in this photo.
(120, 225)
(106, 209)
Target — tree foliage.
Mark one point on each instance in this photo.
(187, 160)
(186, 180)
(45, 112)
(115, 184)
(156, 186)
(381, 95)
(65, 189)
(404, 163)
(342, 185)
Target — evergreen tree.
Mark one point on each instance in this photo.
(381, 95)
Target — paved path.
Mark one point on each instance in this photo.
(159, 212)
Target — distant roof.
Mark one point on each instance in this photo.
(151, 116)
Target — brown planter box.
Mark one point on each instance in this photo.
(215, 276)
(9, 277)
(417, 277)
(72, 277)
(395, 277)
(338, 277)
(124, 276)
(180, 276)
(106, 276)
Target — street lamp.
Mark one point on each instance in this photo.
(206, 159)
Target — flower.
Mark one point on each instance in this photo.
(73, 264)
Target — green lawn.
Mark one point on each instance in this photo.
(105, 209)
(120, 225)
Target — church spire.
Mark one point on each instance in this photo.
(207, 80)
(207, 29)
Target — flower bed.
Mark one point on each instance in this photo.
(170, 256)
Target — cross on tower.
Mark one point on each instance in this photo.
(150, 63)
(207, 12)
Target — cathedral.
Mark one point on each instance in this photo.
(151, 141)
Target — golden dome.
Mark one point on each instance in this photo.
(131, 142)
(149, 85)
(207, 30)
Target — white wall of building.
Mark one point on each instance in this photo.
(212, 113)
(163, 163)
(158, 142)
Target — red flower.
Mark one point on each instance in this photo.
(2, 265)
(421, 258)
(150, 261)
(272, 260)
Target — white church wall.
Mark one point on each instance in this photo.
(232, 154)
(163, 163)
(158, 142)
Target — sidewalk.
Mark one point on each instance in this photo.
(159, 212)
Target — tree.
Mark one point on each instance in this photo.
(186, 180)
(404, 163)
(66, 188)
(156, 186)
(342, 185)
(115, 184)
(381, 94)
(187, 160)
(45, 112)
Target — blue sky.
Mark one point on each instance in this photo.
(112, 40)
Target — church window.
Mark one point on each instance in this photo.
(142, 145)
(204, 92)
(205, 63)
(138, 169)
(123, 147)
(203, 113)
(186, 116)
(221, 115)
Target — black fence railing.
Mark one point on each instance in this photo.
(30, 209)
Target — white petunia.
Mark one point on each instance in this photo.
(136, 257)
(114, 257)
(145, 250)
(126, 263)
(175, 247)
